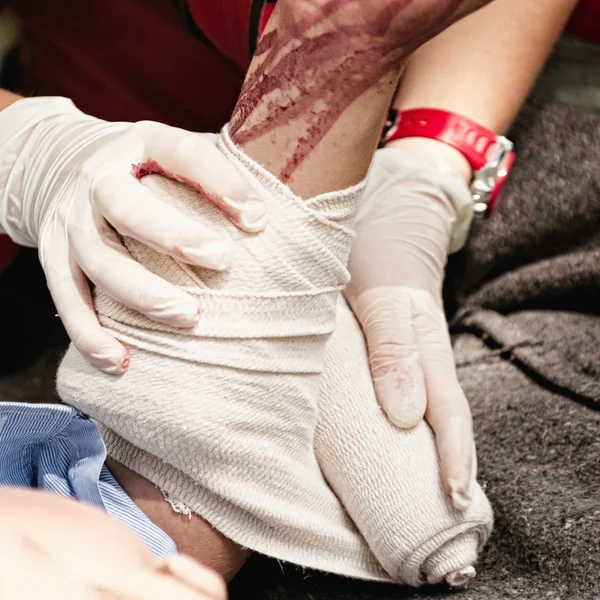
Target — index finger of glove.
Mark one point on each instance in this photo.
(134, 211)
(71, 295)
(448, 410)
(386, 316)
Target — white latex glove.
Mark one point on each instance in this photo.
(70, 182)
(416, 210)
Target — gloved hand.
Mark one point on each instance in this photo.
(69, 183)
(415, 212)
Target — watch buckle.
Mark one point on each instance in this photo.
(486, 178)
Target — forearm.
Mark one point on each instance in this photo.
(484, 66)
(289, 115)
(316, 96)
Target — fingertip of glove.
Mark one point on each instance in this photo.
(460, 496)
(254, 225)
(401, 393)
(111, 359)
(215, 255)
(404, 413)
(181, 314)
(118, 367)
(405, 420)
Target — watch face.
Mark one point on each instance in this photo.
(496, 195)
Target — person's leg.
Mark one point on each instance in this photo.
(311, 111)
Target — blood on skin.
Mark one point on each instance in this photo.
(332, 68)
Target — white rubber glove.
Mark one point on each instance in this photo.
(415, 212)
(69, 183)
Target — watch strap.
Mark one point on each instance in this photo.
(476, 143)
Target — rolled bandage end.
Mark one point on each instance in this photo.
(459, 579)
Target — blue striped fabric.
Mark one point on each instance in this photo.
(57, 449)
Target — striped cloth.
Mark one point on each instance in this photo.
(57, 449)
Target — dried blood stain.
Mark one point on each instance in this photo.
(300, 70)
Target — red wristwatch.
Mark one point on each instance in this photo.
(491, 156)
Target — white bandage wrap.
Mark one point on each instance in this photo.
(228, 419)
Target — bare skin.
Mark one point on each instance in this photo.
(61, 549)
(193, 535)
(311, 111)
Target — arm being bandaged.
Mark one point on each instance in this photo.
(234, 422)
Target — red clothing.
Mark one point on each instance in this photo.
(8, 251)
(585, 23)
(133, 59)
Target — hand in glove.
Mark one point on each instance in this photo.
(416, 211)
(69, 183)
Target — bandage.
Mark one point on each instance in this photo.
(228, 420)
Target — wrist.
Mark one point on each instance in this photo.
(438, 149)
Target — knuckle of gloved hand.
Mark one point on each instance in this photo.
(149, 304)
(437, 350)
(62, 214)
(123, 219)
(86, 342)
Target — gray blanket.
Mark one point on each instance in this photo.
(525, 298)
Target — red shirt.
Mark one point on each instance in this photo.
(585, 23)
(134, 59)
